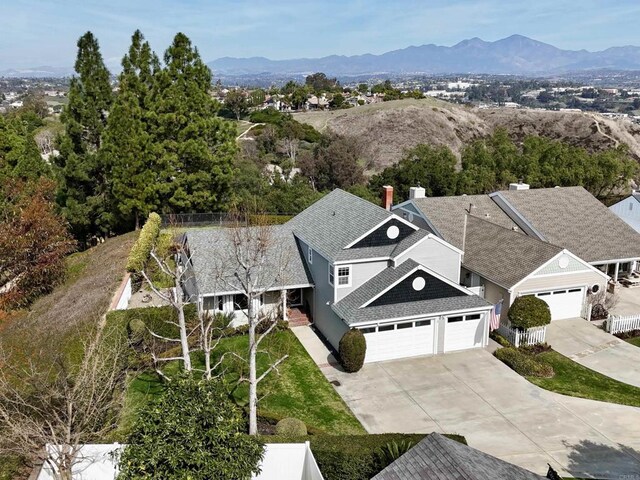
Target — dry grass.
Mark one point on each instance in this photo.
(59, 322)
(387, 129)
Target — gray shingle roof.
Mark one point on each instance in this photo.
(447, 214)
(211, 253)
(340, 218)
(501, 255)
(349, 308)
(574, 219)
(437, 457)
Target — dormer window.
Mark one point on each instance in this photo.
(344, 276)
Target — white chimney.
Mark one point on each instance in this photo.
(416, 192)
(518, 186)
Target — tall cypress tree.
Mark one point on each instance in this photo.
(82, 192)
(128, 143)
(195, 146)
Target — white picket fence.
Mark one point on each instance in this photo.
(619, 323)
(530, 336)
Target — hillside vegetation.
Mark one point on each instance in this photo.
(388, 129)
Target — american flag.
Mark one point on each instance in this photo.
(495, 316)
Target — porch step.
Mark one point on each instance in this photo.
(298, 318)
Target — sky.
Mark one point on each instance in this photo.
(39, 32)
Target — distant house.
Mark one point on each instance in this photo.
(437, 457)
(628, 210)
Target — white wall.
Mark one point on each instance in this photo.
(438, 256)
(360, 274)
(629, 211)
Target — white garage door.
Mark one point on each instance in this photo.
(563, 303)
(463, 331)
(401, 340)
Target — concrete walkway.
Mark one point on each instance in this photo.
(316, 349)
(499, 412)
(596, 349)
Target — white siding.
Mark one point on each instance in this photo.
(360, 273)
(437, 256)
(629, 211)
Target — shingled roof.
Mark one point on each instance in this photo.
(501, 255)
(439, 296)
(576, 220)
(340, 218)
(446, 214)
(437, 457)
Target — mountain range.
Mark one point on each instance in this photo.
(516, 54)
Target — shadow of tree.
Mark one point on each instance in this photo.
(588, 459)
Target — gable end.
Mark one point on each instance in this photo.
(432, 288)
(380, 236)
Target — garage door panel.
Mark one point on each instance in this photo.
(563, 303)
(462, 335)
(399, 343)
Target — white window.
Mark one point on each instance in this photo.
(344, 276)
(331, 274)
(310, 255)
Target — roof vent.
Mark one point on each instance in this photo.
(515, 229)
(486, 215)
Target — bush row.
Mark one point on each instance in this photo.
(142, 247)
(523, 362)
(352, 457)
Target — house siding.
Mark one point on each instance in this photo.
(629, 211)
(554, 267)
(360, 274)
(324, 318)
(553, 282)
(436, 256)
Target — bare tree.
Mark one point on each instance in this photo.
(212, 329)
(45, 141)
(47, 415)
(174, 297)
(254, 261)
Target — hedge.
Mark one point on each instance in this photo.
(524, 363)
(351, 457)
(529, 311)
(141, 249)
(291, 426)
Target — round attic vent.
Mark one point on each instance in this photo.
(393, 232)
(563, 261)
(418, 283)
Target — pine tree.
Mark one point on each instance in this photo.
(82, 173)
(195, 146)
(128, 144)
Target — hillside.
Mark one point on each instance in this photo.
(389, 128)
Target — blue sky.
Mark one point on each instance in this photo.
(40, 32)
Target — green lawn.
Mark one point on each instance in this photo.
(576, 380)
(298, 390)
(633, 341)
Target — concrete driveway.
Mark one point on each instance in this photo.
(596, 349)
(499, 412)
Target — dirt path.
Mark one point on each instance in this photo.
(602, 132)
(239, 137)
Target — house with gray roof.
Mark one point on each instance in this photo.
(559, 244)
(352, 264)
(437, 457)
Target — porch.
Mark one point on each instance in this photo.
(623, 271)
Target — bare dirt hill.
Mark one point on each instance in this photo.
(388, 129)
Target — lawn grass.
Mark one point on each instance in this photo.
(633, 341)
(298, 389)
(575, 380)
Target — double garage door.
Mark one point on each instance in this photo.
(563, 304)
(423, 337)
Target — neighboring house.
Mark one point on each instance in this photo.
(281, 461)
(437, 457)
(629, 210)
(560, 244)
(357, 265)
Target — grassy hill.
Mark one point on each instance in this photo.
(388, 128)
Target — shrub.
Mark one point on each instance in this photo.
(599, 312)
(529, 311)
(137, 330)
(524, 364)
(141, 249)
(352, 349)
(352, 457)
(291, 427)
(496, 337)
(393, 450)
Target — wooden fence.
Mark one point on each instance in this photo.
(530, 336)
(619, 323)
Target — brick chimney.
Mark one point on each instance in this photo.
(387, 197)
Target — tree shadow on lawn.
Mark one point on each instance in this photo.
(588, 459)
